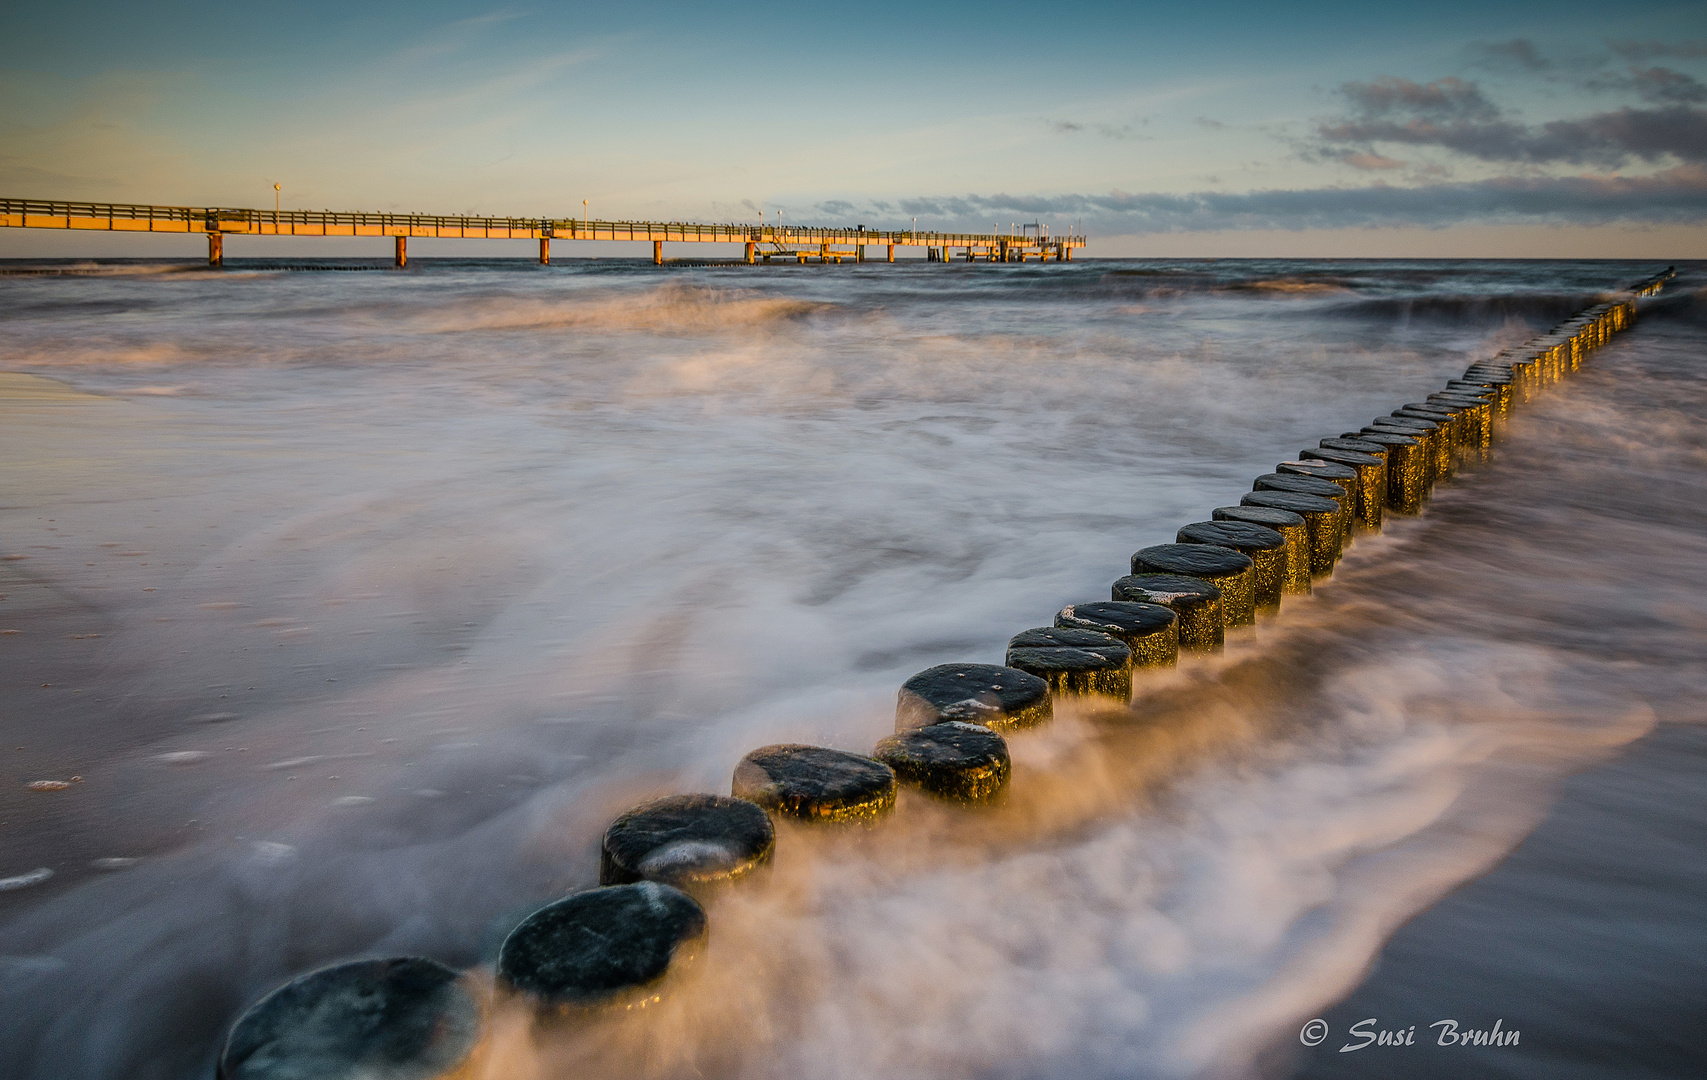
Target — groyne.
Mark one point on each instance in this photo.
(616, 947)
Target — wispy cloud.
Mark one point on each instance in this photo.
(1655, 50)
(1107, 131)
(1446, 99)
(1518, 53)
(1657, 84)
(1372, 162)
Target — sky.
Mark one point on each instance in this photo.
(1215, 129)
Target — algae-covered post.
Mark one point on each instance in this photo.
(1405, 468)
(1151, 631)
(1074, 662)
(1000, 698)
(955, 760)
(1323, 519)
(1226, 569)
(689, 841)
(1202, 625)
(409, 1018)
(1294, 484)
(813, 783)
(1265, 547)
(1292, 528)
(610, 947)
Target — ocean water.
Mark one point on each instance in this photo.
(359, 603)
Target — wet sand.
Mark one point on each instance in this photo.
(1589, 940)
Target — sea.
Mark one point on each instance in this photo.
(342, 609)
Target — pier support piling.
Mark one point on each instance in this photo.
(402, 257)
(751, 247)
(545, 251)
(891, 252)
(657, 253)
(215, 249)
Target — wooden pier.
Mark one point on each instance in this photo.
(760, 243)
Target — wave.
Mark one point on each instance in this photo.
(1291, 285)
(1543, 307)
(97, 353)
(95, 269)
(670, 309)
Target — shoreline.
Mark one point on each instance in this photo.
(1577, 939)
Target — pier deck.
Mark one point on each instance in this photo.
(789, 243)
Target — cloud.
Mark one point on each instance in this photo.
(1608, 138)
(1442, 100)
(1107, 131)
(1654, 50)
(837, 208)
(1678, 195)
(1498, 141)
(1657, 84)
(1372, 162)
(1454, 115)
(1213, 125)
(1518, 53)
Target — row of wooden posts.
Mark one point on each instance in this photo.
(615, 947)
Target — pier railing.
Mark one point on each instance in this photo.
(132, 217)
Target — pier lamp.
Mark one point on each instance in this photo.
(275, 204)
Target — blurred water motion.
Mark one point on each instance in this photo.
(363, 603)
